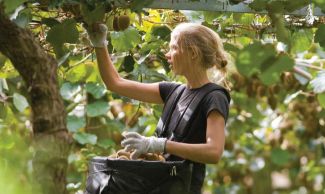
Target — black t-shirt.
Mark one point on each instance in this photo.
(196, 131)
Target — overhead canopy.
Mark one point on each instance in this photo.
(218, 5)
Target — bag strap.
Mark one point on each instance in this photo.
(172, 100)
(183, 121)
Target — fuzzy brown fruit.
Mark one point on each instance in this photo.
(121, 23)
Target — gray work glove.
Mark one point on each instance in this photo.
(97, 34)
(141, 145)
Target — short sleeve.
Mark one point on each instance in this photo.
(165, 89)
(218, 101)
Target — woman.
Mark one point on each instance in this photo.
(194, 49)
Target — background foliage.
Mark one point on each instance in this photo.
(275, 133)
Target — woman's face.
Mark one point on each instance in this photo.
(177, 58)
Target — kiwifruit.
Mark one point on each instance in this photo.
(161, 158)
(152, 157)
(113, 155)
(272, 101)
(250, 90)
(123, 153)
(121, 23)
(123, 158)
(261, 91)
(275, 88)
(311, 98)
(115, 24)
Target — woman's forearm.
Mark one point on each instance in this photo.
(203, 153)
(107, 70)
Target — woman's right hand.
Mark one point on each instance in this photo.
(97, 33)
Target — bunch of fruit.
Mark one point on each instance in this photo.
(125, 155)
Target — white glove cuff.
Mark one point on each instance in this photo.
(100, 44)
(157, 145)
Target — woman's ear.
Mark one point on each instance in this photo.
(194, 54)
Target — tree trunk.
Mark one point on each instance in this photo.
(39, 72)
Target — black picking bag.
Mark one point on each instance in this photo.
(115, 176)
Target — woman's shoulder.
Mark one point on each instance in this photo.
(218, 92)
(169, 84)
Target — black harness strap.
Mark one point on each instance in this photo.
(172, 100)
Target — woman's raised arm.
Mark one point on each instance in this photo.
(146, 92)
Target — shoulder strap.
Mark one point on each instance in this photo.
(184, 119)
(171, 102)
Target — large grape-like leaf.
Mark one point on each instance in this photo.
(85, 138)
(319, 82)
(319, 35)
(321, 99)
(11, 5)
(125, 40)
(23, 18)
(81, 72)
(301, 40)
(251, 57)
(97, 108)
(279, 156)
(74, 123)
(97, 90)
(270, 73)
(65, 32)
(92, 16)
(69, 90)
(20, 102)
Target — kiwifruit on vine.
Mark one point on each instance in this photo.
(121, 23)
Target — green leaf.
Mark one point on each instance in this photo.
(85, 138)
(20, 102)
(98, 90)
(81, 72)
(3, 111)
(66, 32)
(319, 82)
(50, 22)
(320, 4)
(3, 85)
(7, 143)
(92, 16)
(74, 123)
(106, 143)
(63, 59)
(2, 60)
(280, 157)
(321, 99)
(301, 40)
(162, 32)
(127, 64)
(270, 74)
(12, 5)
(137, 6)
(258, 5)
(23, 18)
(97, 108)
(69, 90)
(291, 6)
(125, 40)
(319, 35)
(251, 58)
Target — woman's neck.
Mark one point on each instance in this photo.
(197, 80)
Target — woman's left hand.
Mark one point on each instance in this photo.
(139, 144)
